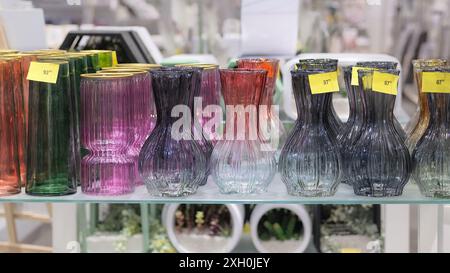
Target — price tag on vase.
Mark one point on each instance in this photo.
(324, 83)
(385, 83)
(43, 72)
(436, 82)
(355, 75)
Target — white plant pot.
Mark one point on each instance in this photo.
(277, 246)
(193, 243)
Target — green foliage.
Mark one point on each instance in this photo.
(281, 225)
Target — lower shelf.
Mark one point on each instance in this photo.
(209, 194)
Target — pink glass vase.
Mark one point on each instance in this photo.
(107, 132)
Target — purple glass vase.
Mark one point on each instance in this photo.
(107, 132)
(143, 113)
(173, 165)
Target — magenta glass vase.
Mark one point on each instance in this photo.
(143, 117)
(107, 132)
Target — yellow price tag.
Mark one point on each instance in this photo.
(435, 82)
(355, 75)
(43, 72)
(114, 59)
(324, 83)
(385, 83)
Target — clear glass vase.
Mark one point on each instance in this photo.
(310, 161)
(419, 122)
(10, 180)
(270, 126)
(380, 162)
(432, 152)
(239, 164)
(173, 165)
(107, 133)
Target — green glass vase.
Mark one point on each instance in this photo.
(51, 149)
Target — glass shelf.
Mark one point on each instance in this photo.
(209, 194)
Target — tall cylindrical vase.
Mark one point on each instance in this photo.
(107, 132)
(10, 182)
(51, 149)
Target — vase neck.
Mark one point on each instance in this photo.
(312, 108)
(439, 109)
(172, 91)
(380, 107)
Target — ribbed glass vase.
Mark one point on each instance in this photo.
(432, 152)
(51, 149)
(271, 128)
(239, 164)
(380, 165)
(107, 132)
(419, 122)
(171, 162)
(10, 181)
(310, 161)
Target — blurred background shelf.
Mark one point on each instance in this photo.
(210, 195)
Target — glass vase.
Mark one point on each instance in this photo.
(239, 164)
(107, 132)
(386, 66)
(270, 127)
(143, 112)
(310, 161)
(10, 180)
(419, 122)
(15, 85)
(171, 162)
(352, 130)
(380, 165)
(333, 119)
(432, 153)
(51, 149)
(210, 95)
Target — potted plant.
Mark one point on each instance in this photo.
(280, 228)
(203, 228)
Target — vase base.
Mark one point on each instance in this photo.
(377, 193)
(8, 191)
(51, 190)
(312, 193)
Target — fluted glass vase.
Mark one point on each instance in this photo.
(386, 66)
(333, 119)
(143, 116)
(16, 86)
(239, 164)
(271, 128)
(380, 165)
(419, 123)
(352, 130)
(107, 132)
(51, 149)
(432, 153)
(171, 162)
(10, 182)
(310, 161)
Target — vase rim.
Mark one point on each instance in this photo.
(123, 70)
(106, 76)
(243, 71)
